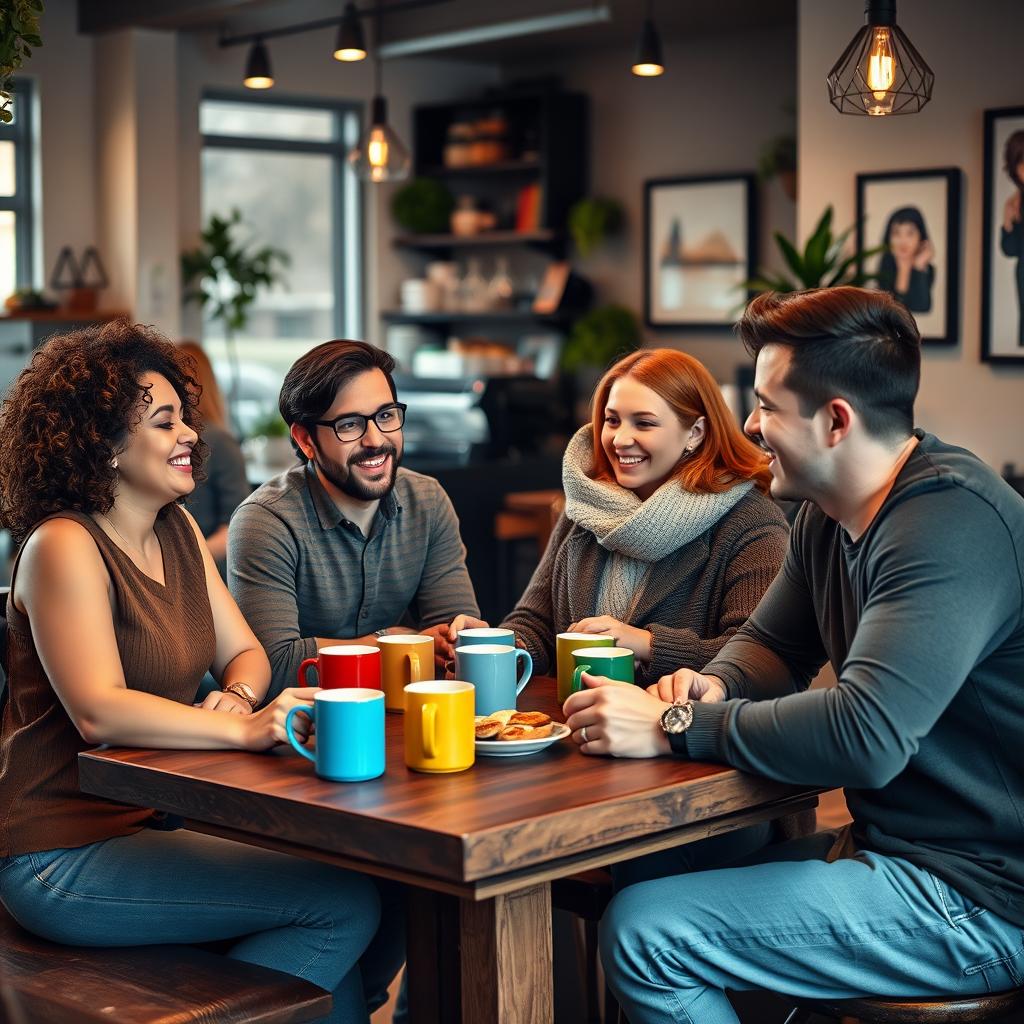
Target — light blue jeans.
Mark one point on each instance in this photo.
(335, 928)
(802, 927)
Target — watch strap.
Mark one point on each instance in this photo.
(677, 741)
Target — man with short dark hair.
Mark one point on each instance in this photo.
(904, 570)
(346, 546)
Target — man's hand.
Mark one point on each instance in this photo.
(631, 637)
(609, 717)
(445, 637)
(685, 684)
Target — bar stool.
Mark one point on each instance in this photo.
(926, 1010)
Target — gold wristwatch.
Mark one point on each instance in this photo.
(243, 691)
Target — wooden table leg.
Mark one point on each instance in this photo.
(505, 949)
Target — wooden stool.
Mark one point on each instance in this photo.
(45, 983)
(587, 894)
(912, 1011)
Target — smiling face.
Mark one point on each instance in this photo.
(364, 469)
(904, 239)
(641, 436)
(155, 464)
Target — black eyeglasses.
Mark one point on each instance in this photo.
(352, 425)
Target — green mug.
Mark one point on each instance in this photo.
(614, 662)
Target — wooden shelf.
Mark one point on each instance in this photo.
(544, 238)
(510, 317)
(483, 170)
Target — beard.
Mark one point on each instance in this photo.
(341, 475)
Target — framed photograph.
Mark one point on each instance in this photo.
(700, 244)
(915, 217)
(1002, 252)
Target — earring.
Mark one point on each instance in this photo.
(113, 463)
(688, 450)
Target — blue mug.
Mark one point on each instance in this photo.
(349, 734)
(493, 669)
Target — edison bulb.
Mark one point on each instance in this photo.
(880, 72)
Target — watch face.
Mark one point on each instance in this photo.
(677, 718)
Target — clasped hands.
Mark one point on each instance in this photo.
(624, 721)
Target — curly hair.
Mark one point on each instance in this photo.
(70, 411)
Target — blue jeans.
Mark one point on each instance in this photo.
(802, 927)
(335, 928)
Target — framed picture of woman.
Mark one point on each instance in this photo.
(1002, 253)
(700, 245)
(913, 219)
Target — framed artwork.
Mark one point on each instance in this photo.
(1002, 252)
(700, 245)
(915, 217)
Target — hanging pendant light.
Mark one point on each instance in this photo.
(880, 72)
(257, 68)
(648, 63)
(379, 155)
(350, 46)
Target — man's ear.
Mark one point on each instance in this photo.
(841, 417)
(301, 436)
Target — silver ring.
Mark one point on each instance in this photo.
(583, 733)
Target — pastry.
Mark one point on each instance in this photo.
(534, 718)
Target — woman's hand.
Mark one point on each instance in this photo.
(924, 255)
(631, 637)
(219, 700)
(1011, 211)
(609, 718)
(685, 684)
(265, 728)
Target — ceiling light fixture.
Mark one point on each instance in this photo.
(257, 67)
(880, 72)
(648, 63)
(351, 46)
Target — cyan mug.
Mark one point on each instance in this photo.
(349, 734)
(494, 671)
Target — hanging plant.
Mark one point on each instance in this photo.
(19, 33)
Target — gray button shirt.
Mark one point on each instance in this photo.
(298, 569)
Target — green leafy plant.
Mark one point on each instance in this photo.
(423, 207)
(270, 425)
(19, 33)
(593, 220)
(820, 265)
(600, 336)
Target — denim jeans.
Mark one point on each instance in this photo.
(800, 926)
(335, 928)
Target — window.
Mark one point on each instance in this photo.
(282, 166)
(16, 193)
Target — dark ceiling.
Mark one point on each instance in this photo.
(676, 20)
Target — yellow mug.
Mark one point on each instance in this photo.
(404, 658)
(565, 644)
(439, 726)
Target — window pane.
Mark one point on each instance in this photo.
(6, 168)
(286, 200)
(266, 121)
(8, 267)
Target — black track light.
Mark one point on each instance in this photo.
(648, 63)
(257, 68)
(351, 46)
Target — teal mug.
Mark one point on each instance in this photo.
(494, 670)
(349, 734)
(614, 662)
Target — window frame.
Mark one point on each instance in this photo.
(348, 241)
(21, 203)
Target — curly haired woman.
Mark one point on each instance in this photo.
(116, 610)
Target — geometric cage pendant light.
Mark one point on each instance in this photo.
(880, 72)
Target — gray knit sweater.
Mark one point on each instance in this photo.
(691, 602)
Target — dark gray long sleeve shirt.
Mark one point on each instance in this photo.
(923, 620)
(298, 569)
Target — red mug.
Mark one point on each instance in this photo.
(344, 665)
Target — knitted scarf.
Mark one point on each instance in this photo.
(638, 533)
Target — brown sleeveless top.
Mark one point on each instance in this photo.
(166, 641)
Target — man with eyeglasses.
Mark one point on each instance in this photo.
(346, 546)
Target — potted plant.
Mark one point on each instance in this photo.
(821, 264)
(423, 207)
(19, 32)
(593, 220)
(270, 442)
(225, 276)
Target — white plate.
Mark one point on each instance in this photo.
(519, 748)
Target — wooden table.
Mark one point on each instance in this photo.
(479, 847)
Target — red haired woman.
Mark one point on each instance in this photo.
(668, 539)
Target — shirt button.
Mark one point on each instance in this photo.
(363, 615)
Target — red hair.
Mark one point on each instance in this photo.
(725, 456)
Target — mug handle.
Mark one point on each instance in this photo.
(414, 668)
(527, 670)
(577, 678)
(304, 675)
(429, 721)
(309, 710)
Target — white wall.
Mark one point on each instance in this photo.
(721, 98)
(974, 50)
